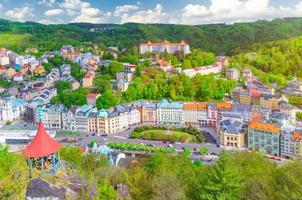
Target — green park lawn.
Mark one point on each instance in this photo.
(165, 135)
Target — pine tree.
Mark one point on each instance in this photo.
(223, 182)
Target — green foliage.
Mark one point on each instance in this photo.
(71, 98)
(218, 38)
(186, 152)
(76, 71)
(140, 147)
(224, 182)
(4, 83)
(154, 85)
(106, 191)
(8, 122)
(281, 60)
(295, 101)
(102, 83)
(299, 116)
(72, 155)
(62, 86)
(115, 67)
(108, 100)
(13, 174)
(175, 134)
(203, 150)
(164, 135)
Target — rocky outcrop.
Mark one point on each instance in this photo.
(39, 189)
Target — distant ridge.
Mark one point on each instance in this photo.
(219, 38)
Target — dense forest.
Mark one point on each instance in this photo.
(235, 176)
(217, 38)
(280, 60)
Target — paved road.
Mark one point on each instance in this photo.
(124, 137)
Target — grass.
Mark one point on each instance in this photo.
(10, 39)
(165, 135)
(68, 133)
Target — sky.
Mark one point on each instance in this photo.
(148, 11)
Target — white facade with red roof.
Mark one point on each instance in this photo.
(165, 46)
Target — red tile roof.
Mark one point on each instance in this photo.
(255, 124)
(42, 145)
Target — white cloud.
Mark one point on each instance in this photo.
(53, 21)
(53, 12)
(146, 16)
(120, 10)
(92, 15)
(74, 4)
(235, 10)
(47, 2)
(20, 13)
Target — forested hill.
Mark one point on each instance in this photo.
(218, 38)
(279, 59)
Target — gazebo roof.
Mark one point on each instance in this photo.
(42, 145)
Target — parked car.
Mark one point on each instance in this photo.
(170, 145)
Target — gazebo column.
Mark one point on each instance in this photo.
(42, 164)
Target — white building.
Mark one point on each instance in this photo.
(232, 73)
(4, 60)
(170, 113)
(11, 108)
(68, 119)
(195, 114)
(165, 46)
(24, 60)
(204, 70)
(81, 116)
(51, 115)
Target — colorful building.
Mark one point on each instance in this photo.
(291, 144)
(270, 101)
(232, 73)
(148, 113)
(170, 113)
(264, 137)
(195, 113)
(232, 133)
(87, 80)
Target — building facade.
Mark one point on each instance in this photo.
(170, 113)
(264, 137)
(165, 46)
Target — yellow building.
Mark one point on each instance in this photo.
(10, 72)
(148, 113)
(232, 133)
(269, 101)
(87, 80)
(245, 98)
(39, 70)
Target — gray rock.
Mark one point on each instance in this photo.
(38, 189)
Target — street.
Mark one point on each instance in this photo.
(86, 138)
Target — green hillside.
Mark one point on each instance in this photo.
(280, 59)
(218, 38)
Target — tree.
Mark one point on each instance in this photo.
(107, 100)
(62, 86)
(186, 152)
(203, 150)
(106, 191)
(115, 67)
(223, 182)
(186, 64)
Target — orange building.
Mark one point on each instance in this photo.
(195, 113)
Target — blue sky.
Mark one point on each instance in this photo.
(148, 11)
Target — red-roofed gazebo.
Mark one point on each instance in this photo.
(43, 151)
